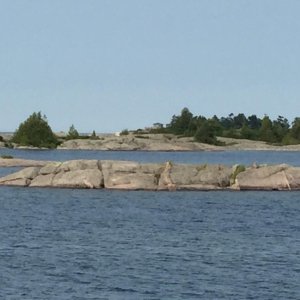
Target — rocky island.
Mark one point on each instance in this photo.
(185, 132)
(168, 142)
(130, 175)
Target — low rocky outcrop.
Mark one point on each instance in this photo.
(21, 178)
(129, 175)
(168, 142)
(194, 177)
(18, 162)
(69, 174)
(150, 142)
(278, 177)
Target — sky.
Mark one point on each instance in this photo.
(109, 65)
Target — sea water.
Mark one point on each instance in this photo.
(100, 244)
(200, 157)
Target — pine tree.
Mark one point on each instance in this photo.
(35, 132)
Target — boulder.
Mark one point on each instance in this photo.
(165, 182)
(82, 164)
(70, 174)
(130, 175)
(51, 168)
(43, 181)
(22, 177)
(202, 177)
(264, 178)
(89, 178)
(17, 182)
(293, 177)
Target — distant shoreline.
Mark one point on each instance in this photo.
(164, 143)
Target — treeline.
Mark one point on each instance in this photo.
(36, 132)
(239, 126)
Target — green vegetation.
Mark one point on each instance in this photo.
(141, 137)
(124, 132)
(8, 144)
(238, 169)
(206, 130)
(6, 156)
(72, 133)
(35, 132)
(94, 136)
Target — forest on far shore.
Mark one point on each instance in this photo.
(35, 131)
(206, 130)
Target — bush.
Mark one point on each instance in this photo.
(205, 134)
(94, 136)
(6, 156)
(141, 137)
(8, 144)
(290, 140)
(124, 132)
(35, 132)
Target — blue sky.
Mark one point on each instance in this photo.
(107, 65)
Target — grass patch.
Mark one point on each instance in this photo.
(238, 170)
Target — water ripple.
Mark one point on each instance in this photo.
(73, 244)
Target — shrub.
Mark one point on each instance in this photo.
(8, 144)
(205, 134)
(141, 137)
(124, 132)
(35, 132)
(6, 156)
(94, 136)
(238, 169)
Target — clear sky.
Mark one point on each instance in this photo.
(107, 65)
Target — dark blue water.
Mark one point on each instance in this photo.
(96, 244)
(221, 157)
(6, 171)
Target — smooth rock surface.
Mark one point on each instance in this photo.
(168, 142)
(73, 165)
(183, 176)
(27, 174)
(42, 181)
(51, 168)
(278, 177)
(131, 142)
(89, 178)
(131, 175)
(17, 182)
(17, 162)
